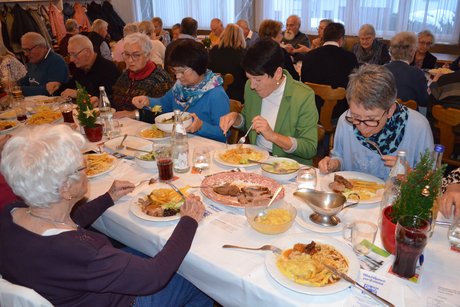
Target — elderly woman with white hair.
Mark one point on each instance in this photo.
(369, 49)
(46, 247)
(410, 81)
(118, 49)
(141, 78)
(423, 58)
(373, 120)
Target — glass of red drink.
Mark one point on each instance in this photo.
(67, 111)
(163, 156)
(19, 107)
(411, 238)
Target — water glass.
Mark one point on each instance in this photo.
(411, 238)
(163, 156)
(114, 129)
(361, 234)
(19, 106)
(201, 158)
(306, 178)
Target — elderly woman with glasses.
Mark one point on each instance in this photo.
(45, 244)
(197, 88)
(142, 77)
(423, 58)
(369, 49)
(376, 122)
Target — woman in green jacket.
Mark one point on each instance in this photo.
(281, 110)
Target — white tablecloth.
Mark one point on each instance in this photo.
(237, 277)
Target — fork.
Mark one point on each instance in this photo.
(242, 139)
(150, 181)
(120, 146)
(374, 144)
(266, 247)
(177, 190)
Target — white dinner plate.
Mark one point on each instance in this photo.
(137, 211)
(113, 164)
(288, 241)
(166, 135)
(9, 114)
(131, 141)
(217, 154)
(14, 122)
(354, 175)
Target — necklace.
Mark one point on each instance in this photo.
(49, 220)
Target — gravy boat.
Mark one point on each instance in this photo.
(325, 205)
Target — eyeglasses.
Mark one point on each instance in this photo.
(133, 56)
(28, 50)
(180, 71)
(425, 43)
(74, 55)
(367, 122)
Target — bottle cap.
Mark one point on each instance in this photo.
(439, 148)
(401, 153)
(101, 88)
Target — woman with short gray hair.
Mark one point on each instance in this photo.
(369, 49)
(411, 83)
(129, 28)
(376, 123)
(45, 236)
(423, 58)
(142, 77)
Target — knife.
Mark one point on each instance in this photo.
(357, 285)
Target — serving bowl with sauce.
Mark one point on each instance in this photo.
(278, 218)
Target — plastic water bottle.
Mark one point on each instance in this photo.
(179, 141)
(105, 110)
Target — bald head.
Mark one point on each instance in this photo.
(243, 24)
(217, 27)
(81, 51)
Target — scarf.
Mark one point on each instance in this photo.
(372, 56)
(389, 138)
(144, 72)
(188, 95)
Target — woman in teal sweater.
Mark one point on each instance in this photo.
(281, 110)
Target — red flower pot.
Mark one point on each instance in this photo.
(94, 134)
(387, 232)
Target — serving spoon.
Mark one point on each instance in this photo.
(276, 166)
(264, 212)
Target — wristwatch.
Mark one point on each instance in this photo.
(136, 114)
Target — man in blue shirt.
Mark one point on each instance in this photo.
(45, 68)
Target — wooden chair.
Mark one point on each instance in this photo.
(447, 120)
(235, 106)
(412, 104)
(228, 79)
(330, 96)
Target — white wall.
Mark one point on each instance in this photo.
(124, 8)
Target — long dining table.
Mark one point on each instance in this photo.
(235, 277)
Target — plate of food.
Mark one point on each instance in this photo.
(369, 188)
(239, 155)
(8, 114)
(441, 70)
(165, 121)
(154, 134)
(300, 266)
(99, 164)
(8, 125)
(44, 117)
(160, 204)
(236, 189)
(131, 142)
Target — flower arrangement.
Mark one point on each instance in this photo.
(86, 114)
(419, 190)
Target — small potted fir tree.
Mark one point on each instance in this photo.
(417, 197)
(87, 115)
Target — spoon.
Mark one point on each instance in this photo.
(120, 146)
(276, 166)
(264, 212)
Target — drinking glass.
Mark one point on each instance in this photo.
(306, 178)
(163, 156)
(201, 158)
(114, 129)
(360, 234)
(411, 238)
(19, 106)
(67, 111)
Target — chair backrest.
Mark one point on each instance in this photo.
(228, 79)
(447, 119)
(330, 97)
(235, 106)
(19, 296)
(408, 103)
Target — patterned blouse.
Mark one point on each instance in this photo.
(18, 70)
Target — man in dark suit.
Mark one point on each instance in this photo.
(330, 64)
(410, 80)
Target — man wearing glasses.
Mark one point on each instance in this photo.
(89, 69)
(45, 69)
(375, 127)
